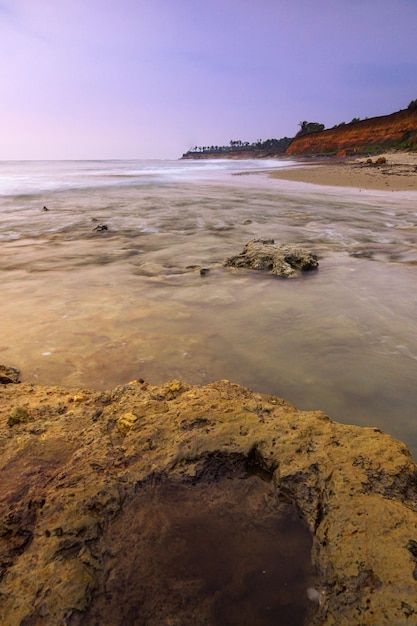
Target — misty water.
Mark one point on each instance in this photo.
(84, 307)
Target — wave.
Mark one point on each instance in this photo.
(25, 178)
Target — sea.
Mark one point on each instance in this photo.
(113, 271)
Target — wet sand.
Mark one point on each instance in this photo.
(399, 173)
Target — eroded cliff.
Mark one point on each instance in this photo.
(398, 130)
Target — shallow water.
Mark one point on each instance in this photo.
(81, 307)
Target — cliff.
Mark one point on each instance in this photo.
(376, 134)
(163, 505)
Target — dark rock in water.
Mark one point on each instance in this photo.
(9, 375)
(281, 260)
(193, 268)
(45, 208)
(362, 254)
(101, 227)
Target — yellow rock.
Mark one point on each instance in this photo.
(354, 487)
(19, 415)
(125, 423)
(79, 398)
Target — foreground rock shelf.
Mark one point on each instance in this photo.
(82, 469)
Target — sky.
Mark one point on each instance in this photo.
(126, 79)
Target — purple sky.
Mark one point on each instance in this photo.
(152, 78)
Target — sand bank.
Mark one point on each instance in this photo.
(399, 173)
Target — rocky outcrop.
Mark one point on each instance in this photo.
(281, 260)
(9, 375)
(103, 493)
(398, 130)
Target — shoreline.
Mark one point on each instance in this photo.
(398, 173)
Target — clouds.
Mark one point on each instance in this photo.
(145, 79)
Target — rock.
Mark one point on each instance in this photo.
(19, 415)
(101, 228)
(9, 375)
(93, 520)
(125, 423)
(192, 268)
(45, 208)
(79, 397)
(281, 260)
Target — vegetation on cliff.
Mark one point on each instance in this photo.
(309, 127)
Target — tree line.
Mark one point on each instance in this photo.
(236, 145)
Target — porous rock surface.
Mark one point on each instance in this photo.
(282, 260)
(9, 375)
(69, 474)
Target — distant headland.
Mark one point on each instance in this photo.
(241, 150)
(397, 131)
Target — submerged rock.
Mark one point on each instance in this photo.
(101, 497)
(281, 260)
(101, 228)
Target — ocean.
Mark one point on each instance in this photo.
(101, 284)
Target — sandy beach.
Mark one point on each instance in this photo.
(399, 173)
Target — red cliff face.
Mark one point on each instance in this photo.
(398, 130)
